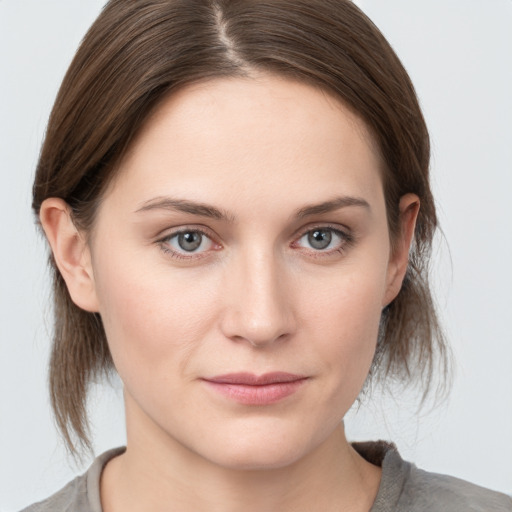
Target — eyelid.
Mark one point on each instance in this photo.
(343, 232)
(173, 230)
(167, 234)
(339, 228)
(346, 235)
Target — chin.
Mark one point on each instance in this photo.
(258, 458)
(271, 449)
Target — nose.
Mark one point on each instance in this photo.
(259, 306)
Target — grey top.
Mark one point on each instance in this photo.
(403, 488)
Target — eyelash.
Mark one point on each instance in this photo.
(346, 240)
(164, 243)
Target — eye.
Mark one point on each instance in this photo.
(319, 238)
(323, 239)
(187, 243)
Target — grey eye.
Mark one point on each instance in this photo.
(320, 238)
(323, 239)
(188, 243)
(190, 240)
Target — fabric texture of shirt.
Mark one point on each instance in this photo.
(403, 488)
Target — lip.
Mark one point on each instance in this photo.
(251, 389)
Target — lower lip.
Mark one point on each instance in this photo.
(256, 395)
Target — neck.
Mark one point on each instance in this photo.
(158, 474)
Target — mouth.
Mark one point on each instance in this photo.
(250, 389)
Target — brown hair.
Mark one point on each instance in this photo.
(137, 53)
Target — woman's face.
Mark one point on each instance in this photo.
(241, 260)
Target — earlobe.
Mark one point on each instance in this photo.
(399, 259)
(70, 251)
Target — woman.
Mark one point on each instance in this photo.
(236, 197)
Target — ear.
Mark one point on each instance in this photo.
(70, 251)
(399, 259)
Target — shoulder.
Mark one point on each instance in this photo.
(81, 494)
(405, 488)
(66, 500)
(427, 490)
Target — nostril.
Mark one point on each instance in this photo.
(242, 328)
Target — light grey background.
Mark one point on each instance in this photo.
(458, 53)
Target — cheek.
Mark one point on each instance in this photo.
(356, 327)
(153, 319)
(345, 320)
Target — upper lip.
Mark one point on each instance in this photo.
(250, 379)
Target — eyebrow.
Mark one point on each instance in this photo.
(332, 205)
(205, 210)
(182, 205)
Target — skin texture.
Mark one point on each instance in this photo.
(255, 296)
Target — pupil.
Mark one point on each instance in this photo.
(190, 241)
(320, 239)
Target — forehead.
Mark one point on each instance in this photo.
(261, 100)
(250, 132)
